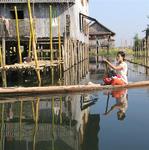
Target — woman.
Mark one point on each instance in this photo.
(120, 68)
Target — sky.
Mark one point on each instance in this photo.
(124, 17)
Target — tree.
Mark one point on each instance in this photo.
(137, 42)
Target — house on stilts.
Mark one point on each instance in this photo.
(60, 33)
(100, 37)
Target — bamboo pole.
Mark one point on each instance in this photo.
(59, 47)
(69, 88)
(52, 75)
(51, 38)
(30, 45)
(18, 35)
(1, 57)
(4, 76)
(34, 43)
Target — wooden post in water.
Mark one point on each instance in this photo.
(2, 127)
(34, 43)
(18, 35)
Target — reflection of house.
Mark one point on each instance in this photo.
(69, 135)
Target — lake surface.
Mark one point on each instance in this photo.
(109, 120)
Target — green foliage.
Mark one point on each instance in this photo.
(137, 41)
(112, 52)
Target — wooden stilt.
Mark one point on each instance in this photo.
(4, 77)
(30, 45)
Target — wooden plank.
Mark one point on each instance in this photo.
(68, 89)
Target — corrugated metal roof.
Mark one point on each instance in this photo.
(37, 1)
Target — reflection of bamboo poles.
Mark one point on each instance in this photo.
(34, 43)
(33, 111)
(53, 127)
(2, 126)
(18, 35)
(61, 109)
(36, 123)
(20, 121)
(37, 110)
(34, 136)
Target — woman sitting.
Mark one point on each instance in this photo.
(121, 70)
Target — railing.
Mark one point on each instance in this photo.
(37, 1)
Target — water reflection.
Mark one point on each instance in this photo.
(49, 122)
(121, 103)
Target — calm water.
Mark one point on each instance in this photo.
(80, 121)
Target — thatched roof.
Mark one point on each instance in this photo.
(97, 29)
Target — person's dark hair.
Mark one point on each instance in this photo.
(122, 54)
(121, 115)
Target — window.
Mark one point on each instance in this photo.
(20, 14)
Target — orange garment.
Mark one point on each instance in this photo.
(117, 81)
(118, 94)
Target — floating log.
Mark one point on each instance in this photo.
(68, 88)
